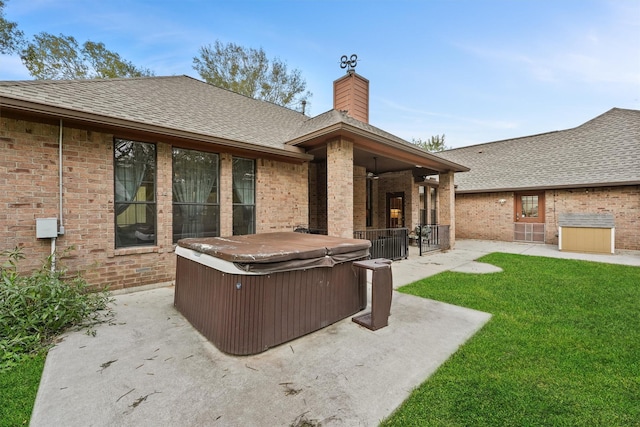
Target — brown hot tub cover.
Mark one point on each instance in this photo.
(283, 251)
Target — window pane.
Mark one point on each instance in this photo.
(243, 181)
(134, 190)
(529, 206)
(195, 221)
(434, 205)
(195, 194)
(243, 196)
(243, 220)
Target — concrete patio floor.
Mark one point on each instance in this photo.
(149, 367)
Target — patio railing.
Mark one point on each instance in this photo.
(390, 243)
(432, 237)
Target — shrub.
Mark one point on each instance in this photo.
(35, 308)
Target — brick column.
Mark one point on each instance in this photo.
(226, 194)
(340, 188)
(447, 205)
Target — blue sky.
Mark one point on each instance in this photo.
(476, 71)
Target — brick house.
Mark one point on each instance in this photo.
(126, 167)
(517, 189)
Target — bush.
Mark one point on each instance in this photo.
(37, 307)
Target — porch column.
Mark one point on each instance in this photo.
(447, 205)
(340, 188)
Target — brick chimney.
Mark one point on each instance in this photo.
(351, 94)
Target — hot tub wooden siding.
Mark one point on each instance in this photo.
(247, 314)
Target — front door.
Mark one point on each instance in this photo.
(529, 217)
(395, 210)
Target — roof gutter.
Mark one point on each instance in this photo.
(96, 119)
(549, 187)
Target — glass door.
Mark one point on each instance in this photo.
(529, 217)
(395, 210)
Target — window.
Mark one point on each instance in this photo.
(135, 193)
(369, 203)
(244, 184)
(196, 208)
(529, 207)
(434, 205)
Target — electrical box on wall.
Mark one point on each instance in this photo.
(46, 228)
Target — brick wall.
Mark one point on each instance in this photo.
(622, 202)
(340, 188)
(226, 194)
(282, 197)
(481, 216)
(29, 178)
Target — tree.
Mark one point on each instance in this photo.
(11, 39)
(433, 144)
(249, 72)
(62, 57)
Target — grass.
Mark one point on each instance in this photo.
(34, 308)
(19, 386)
(562, 347)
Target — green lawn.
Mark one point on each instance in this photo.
(562, 347)
(18, 388)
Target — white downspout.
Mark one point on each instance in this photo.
(61, 226)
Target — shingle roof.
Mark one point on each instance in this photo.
(189, 108)
(333, 117)
(602, 151)
(586, 220)
(177, 102)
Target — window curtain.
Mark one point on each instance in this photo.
(243, 196)
(194, 176)
(243, 182)
(129, 172)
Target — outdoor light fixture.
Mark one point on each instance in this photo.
(502, 201)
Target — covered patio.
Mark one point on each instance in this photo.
(365, 183)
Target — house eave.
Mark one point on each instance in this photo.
(376, 144)
(26, 107)
(549, 187)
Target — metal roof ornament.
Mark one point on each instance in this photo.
(349, 62)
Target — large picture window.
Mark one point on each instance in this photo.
(135, 193)
(196, 208)
(244, 205)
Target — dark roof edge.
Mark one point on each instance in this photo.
(63, 113)
(342, 126)
(550, 187)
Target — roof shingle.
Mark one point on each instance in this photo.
(179, 102)
(602, 151)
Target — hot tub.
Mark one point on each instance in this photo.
(249, 293)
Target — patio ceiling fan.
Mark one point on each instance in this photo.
(374, 174)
